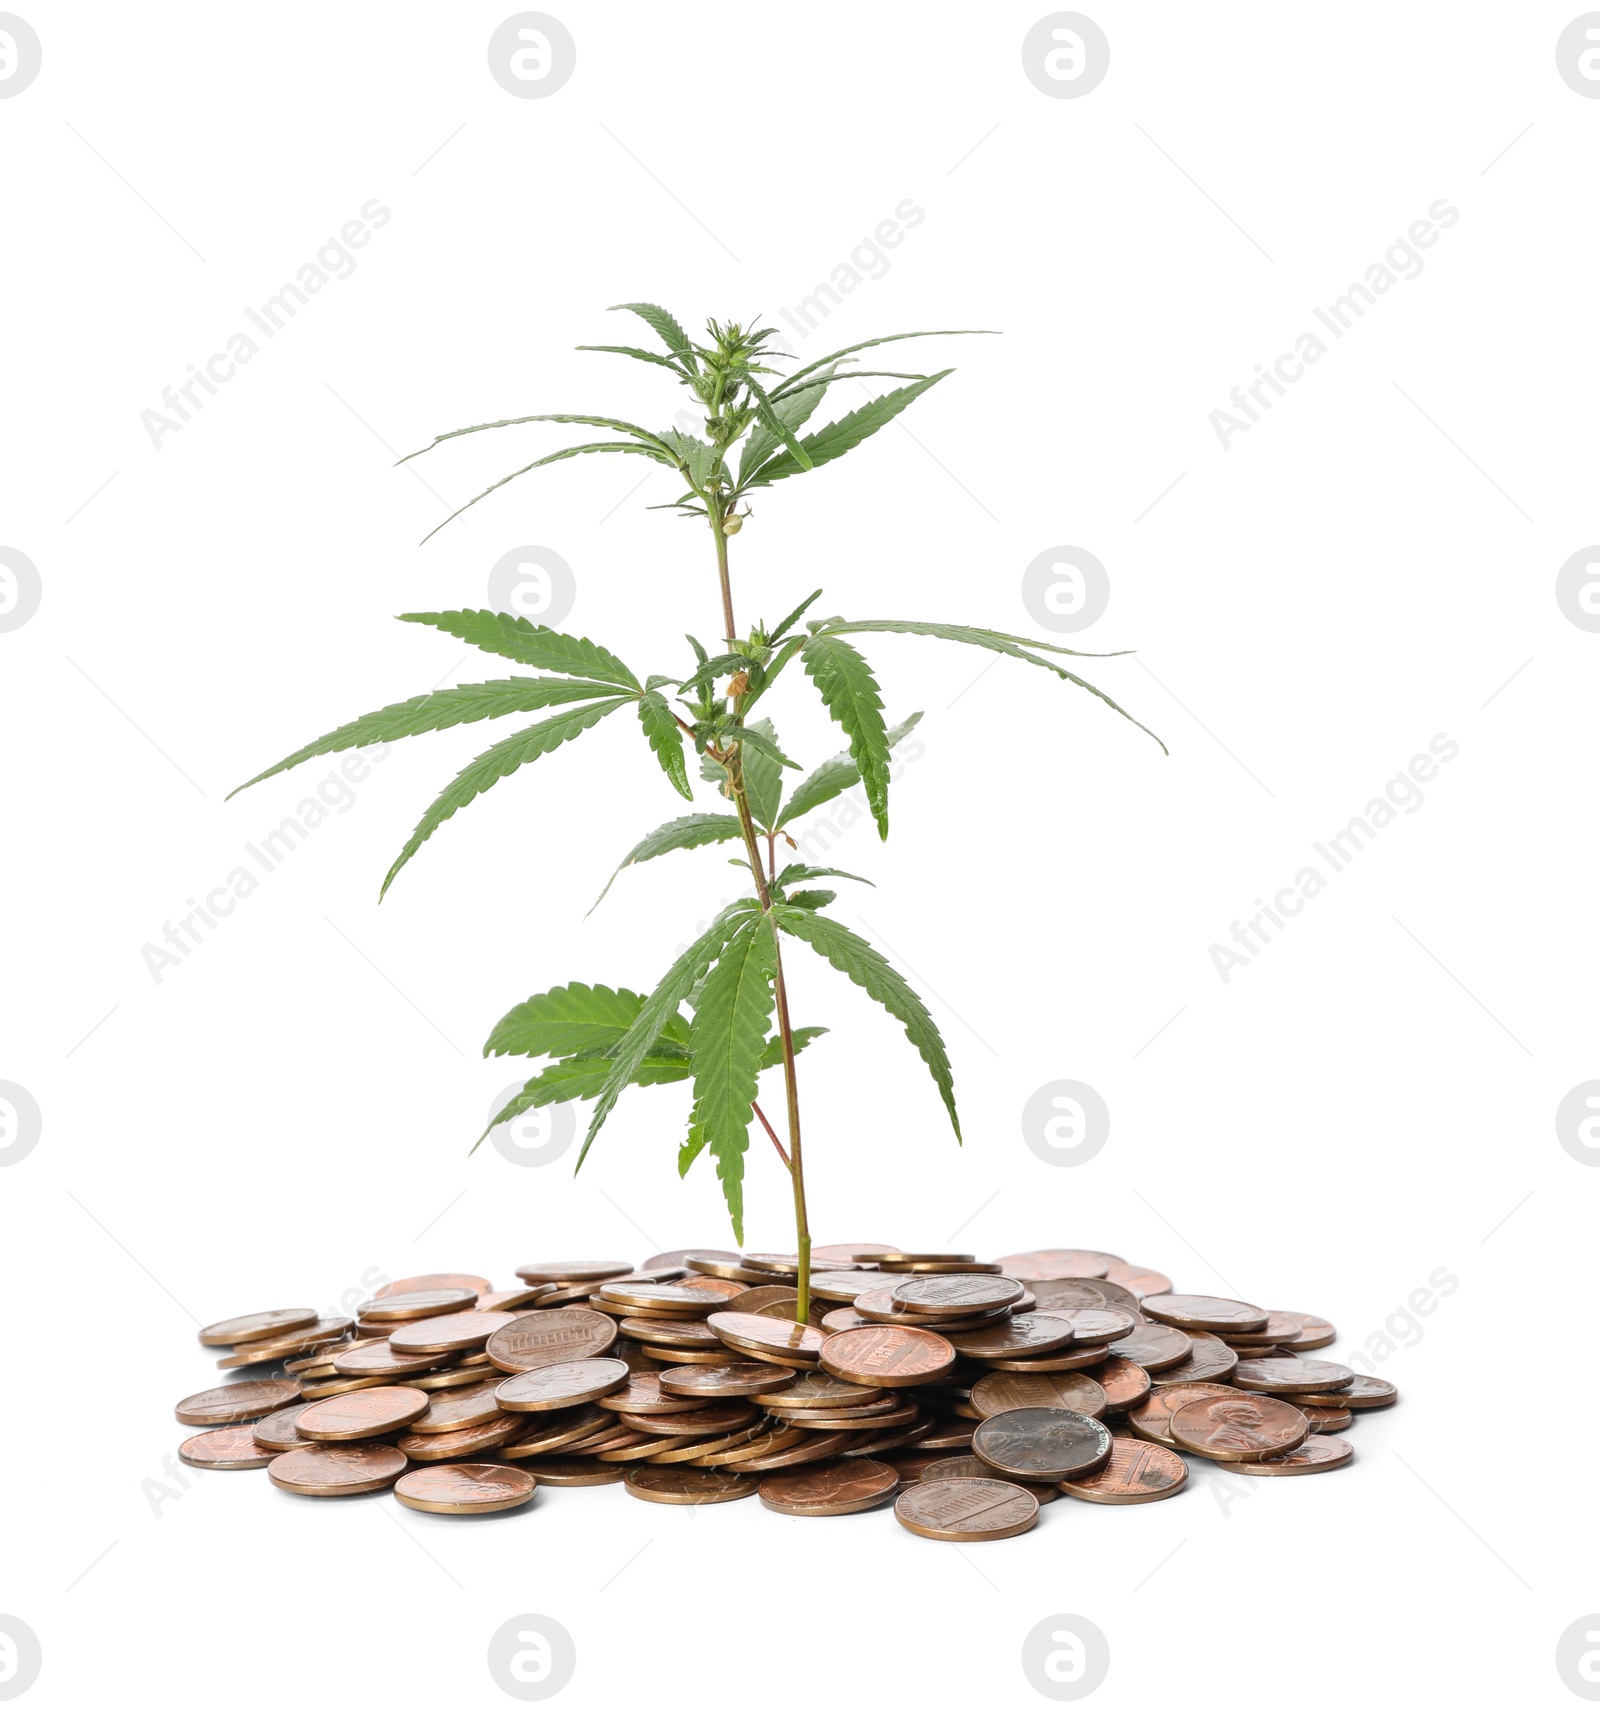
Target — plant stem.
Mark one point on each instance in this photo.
(802, 1229)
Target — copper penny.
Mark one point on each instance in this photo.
(942, 1469)
(1063, 1297)
(461, 1443)
(724, 1381)
(359, 1416)
(570, 1273)
(1042, 1443)
(457, 1375)
(1137, 1471)
(1316, 1453)
(232, 1449)
(779, 1301)
(1152, 1419)
(694, 1335)
(680, 1259)
(550, 1337)
(837, 1321)
(1208, 1361)
(473, 1283)
(1192, 1310)
(815, 1388)
(327, 1332)
(465, 1330)
(1028, 1335)
(1365, 1393)
(878, 1306)
(642, 1395)
(1315, 1331)
(518, 1298)
(871, 1442)
(1153, 1346)
(1058, 1264)
(689, 1300)
(1325, 1419)
(999, 1391)
(336, 1470)
(967, 1509)
(1101, 1326)
(459, 1408)
(466, 1489)
(278, 1433)
(775, 1440)
(237, 1402)
(831, 1489)
(888, 1356)
(767, 1334)
(851, 1253)
(896, 1259)
(869, 1418)
(699, 1420)
(967, 1293)
(714, 1265)
(1238, 1426)
(1074, 1358)
(1141, 1282)
(553, 1386)
(1291, 1375)
(380, 1359)
(415, 1306)
(262, 1325)
(549, 1431)
(912, 1463)
(1125, 1383)
(574, 1473)
(679, 1486)
(846, 1287)
(759, 1455)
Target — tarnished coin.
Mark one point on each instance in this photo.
(1238, 1426)
(1325, 1419)
(1098, 1327)
(334, 1471)
(550, 1337)
(816, 1388)
(518, 1298)
(416, 1306)
(466, 1489)
(967, 1509)
(967, 1293)
(1028, 1335)
(361, 1415)
(948, 1466)
(1058, 1265)
(464, 1331)
(237, 1402)
(999, 1391)
(1137, 1471)
(570, 1273)
(1042, 1443)
(1315, 1331)
(767, 1335)
(1126, 1384)
(379, 1358)
(461, 1443)
(1141, 1282)
(1365, 1393)
(1208, 1361)
(809, 1449)
(1316, 1453)
(574, 1473)
(545, 1432)
(887, 1356)
(232, 1449)
(1153, 1418)
(552, 1386)
(1073, 1358)
(1065, 1297)
(459, 1407)
(642, 1395)
(681, 1486)
(723, 1381)
(1192, 1310)
(261, 1325)
(278, 1433)
(473, 1283)
(1153, 1346)
(831, 1489)
(1291, 1375)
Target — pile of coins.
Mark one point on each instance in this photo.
(967, 1393)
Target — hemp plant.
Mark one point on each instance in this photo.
(598, 1041)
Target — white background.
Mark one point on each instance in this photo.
(1367, 1102)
